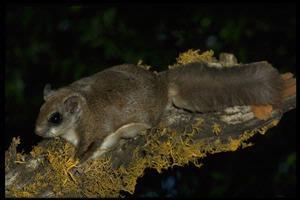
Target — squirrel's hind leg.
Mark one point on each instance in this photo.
(126, 131)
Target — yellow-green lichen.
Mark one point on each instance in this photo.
(30, 190)
(216, 129)
(61, 162)
(20, 158)
(36, 151)
(263, 130)
(57, 176)
(193, 56)
(198, 123)
(144, 66)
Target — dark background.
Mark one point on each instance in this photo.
(60, 44)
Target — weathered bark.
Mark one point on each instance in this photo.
(182, 137)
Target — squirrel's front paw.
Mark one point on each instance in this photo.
(92, 152)
(82, 156)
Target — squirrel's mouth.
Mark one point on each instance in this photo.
(46, 133)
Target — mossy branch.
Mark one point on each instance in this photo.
(181, 137)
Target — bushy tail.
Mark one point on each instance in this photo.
(202, 88)
(288, 90)
(289, 85)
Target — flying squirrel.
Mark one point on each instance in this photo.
(95, 112)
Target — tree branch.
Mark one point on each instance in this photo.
(181, 137)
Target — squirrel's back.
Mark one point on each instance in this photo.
(125, 93)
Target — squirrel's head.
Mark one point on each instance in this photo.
(59, 113)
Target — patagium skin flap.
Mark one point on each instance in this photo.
(95, 112)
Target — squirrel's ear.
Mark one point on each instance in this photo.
(47, 91)
(73, 103)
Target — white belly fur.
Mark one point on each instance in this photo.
(71, 137)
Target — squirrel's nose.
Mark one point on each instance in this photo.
(38, 130)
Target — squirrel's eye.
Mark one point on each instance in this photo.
(55, 118)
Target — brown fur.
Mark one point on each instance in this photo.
(108, 100)
(124, 98)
